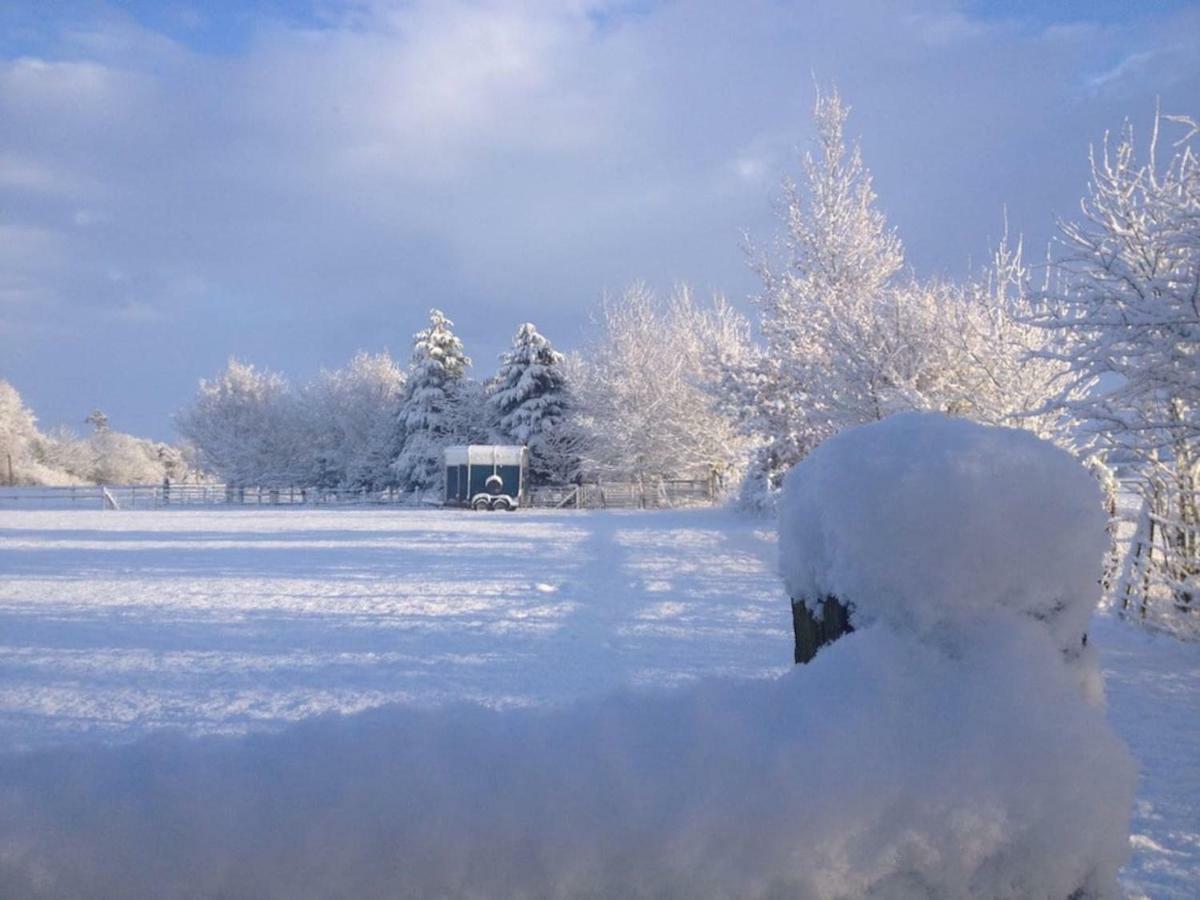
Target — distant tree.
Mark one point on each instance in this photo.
(351, 414)
(64, 452)
(245, 427)
(645, 404)
(98, 420)
(118, 458)
(18, 431)
(528, 398)
(431, 415)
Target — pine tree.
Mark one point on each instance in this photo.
(430, 413)
(528, 398)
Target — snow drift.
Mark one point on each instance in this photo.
(945, 749)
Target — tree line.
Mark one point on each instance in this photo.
(61, 457)
(635, 403)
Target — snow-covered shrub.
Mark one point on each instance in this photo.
(976, 550)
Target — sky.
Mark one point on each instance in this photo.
(289, 182)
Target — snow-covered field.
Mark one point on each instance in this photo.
(113, 625)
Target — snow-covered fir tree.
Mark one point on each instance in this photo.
(528, 399)
(431, 411)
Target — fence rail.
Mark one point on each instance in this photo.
(604, 495)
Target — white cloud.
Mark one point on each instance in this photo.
(511, 160)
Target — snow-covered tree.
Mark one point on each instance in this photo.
(528, 398)
(245, 427)
(995, 370)
(643, 395)
(118, 458)
(66, 454)
(98, 419)
(18, 431)
(829, 358)
(850, 338)
(351, 415)
(431, 410)
(1126, 325)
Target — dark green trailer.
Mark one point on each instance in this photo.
(486, 476)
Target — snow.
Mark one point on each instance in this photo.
(186, 629)
(115, 624)
(1153, 685)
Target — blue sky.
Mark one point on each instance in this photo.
(290, 182)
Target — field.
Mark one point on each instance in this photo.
(117, 625)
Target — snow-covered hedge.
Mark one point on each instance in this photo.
(944, 749)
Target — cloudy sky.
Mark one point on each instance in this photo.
(288, 181)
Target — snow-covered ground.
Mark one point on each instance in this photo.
(113, 625)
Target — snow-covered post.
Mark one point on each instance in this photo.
(925, 517)
(980, 549)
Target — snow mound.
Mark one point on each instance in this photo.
(922, 519)
(879, 770)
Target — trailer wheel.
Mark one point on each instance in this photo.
(501, 503)
(481, 504)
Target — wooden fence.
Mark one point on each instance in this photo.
(603, 495)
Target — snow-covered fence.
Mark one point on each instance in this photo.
(657, 494)
(644, 494)
(129, 496)
(141, 496)
(1159, 537)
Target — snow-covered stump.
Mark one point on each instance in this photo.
(982, 547)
